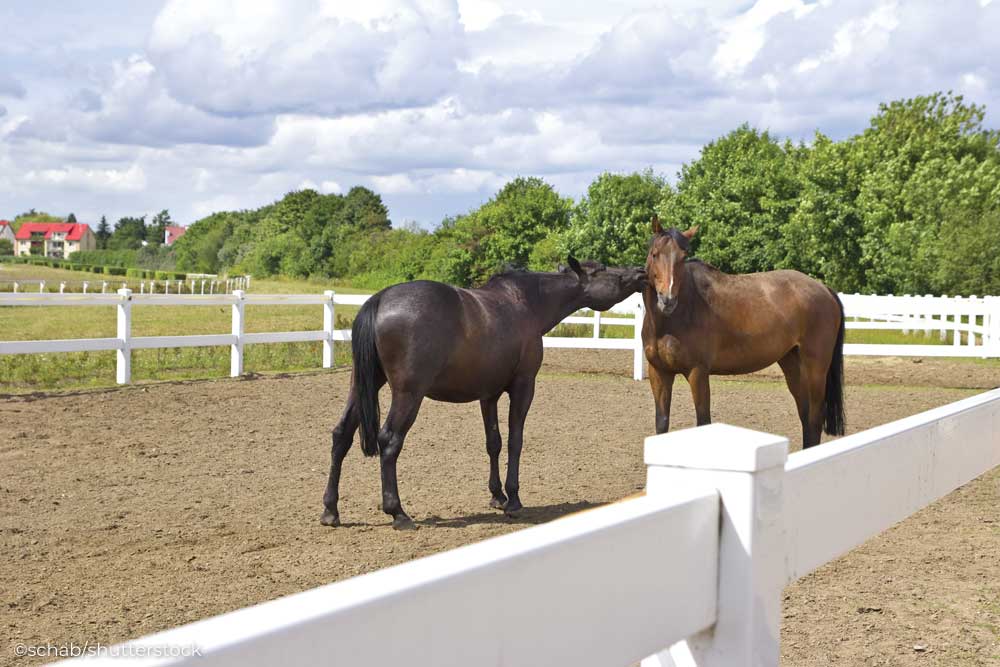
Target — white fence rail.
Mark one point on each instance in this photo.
(972, 323)
(199, 283)
(125, 342)
(690, 575)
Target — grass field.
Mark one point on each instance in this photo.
(26, 373)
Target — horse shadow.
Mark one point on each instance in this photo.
(528, 516)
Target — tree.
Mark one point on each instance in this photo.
(71, 218)
(103, 233)
(917, 160)
(505, 230)
(32, 215)
(156, 232)
(6, 247)
(969, 261)
(611, 223)
(824, 235)
(129, 233)
(741, 191)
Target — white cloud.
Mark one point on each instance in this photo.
(394, 184)
(330, 187)
(111, 180)
(327, 56)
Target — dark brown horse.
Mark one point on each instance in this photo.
(700, 321)
(459, 345)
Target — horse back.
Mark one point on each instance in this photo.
(453, 344)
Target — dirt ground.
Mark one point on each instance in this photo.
(128, 511)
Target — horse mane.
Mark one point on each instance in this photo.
(507, 273)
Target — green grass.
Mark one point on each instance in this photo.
(35, 372)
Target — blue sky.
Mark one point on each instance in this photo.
(126, 108)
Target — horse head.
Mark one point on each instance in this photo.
(602, 286)
(665, 263)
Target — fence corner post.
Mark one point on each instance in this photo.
(236, 349)
(747, 467)
(124, 353)
(329, 322)
(638, 352)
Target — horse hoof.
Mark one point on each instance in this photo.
(513, 509)
(403, 522)
(498, 503)
(329, 519)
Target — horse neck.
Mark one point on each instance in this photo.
(558, 295)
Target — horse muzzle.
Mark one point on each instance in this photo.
(665, 304)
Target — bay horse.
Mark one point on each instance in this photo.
(700, 321)
(459, 345)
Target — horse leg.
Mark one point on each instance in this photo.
(791, 366)
(521, 394)
(662, 384)
(343, 438)
(697, 377)
(813, 375)
(402, 413)
(493, 445)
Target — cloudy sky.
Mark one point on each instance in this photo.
(127, 107)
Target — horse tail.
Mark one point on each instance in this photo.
(366, 366)
(834, 402)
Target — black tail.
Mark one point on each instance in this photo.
(366, 366)
(834, 403)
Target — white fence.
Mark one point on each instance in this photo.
(973, 325)
(689, 575)
(200, 283)
(125, 342)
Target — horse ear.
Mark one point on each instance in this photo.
(575, 265)
(691, 232)
(657, 227)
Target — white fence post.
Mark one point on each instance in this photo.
(124, 369)
(203, 287)
(104, 287)
(62, 287)
(16, 285)
(85, 286)
(41, 286)
(747, 468)
(638, 352)
(971, 341)
(597, 324)
(956, 320)
(236, 350)
(329, 319)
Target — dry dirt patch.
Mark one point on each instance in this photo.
(128, 511)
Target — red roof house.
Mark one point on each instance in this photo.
(53, 239)
(172, 233)
(6, 231)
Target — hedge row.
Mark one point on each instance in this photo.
(140, 274)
